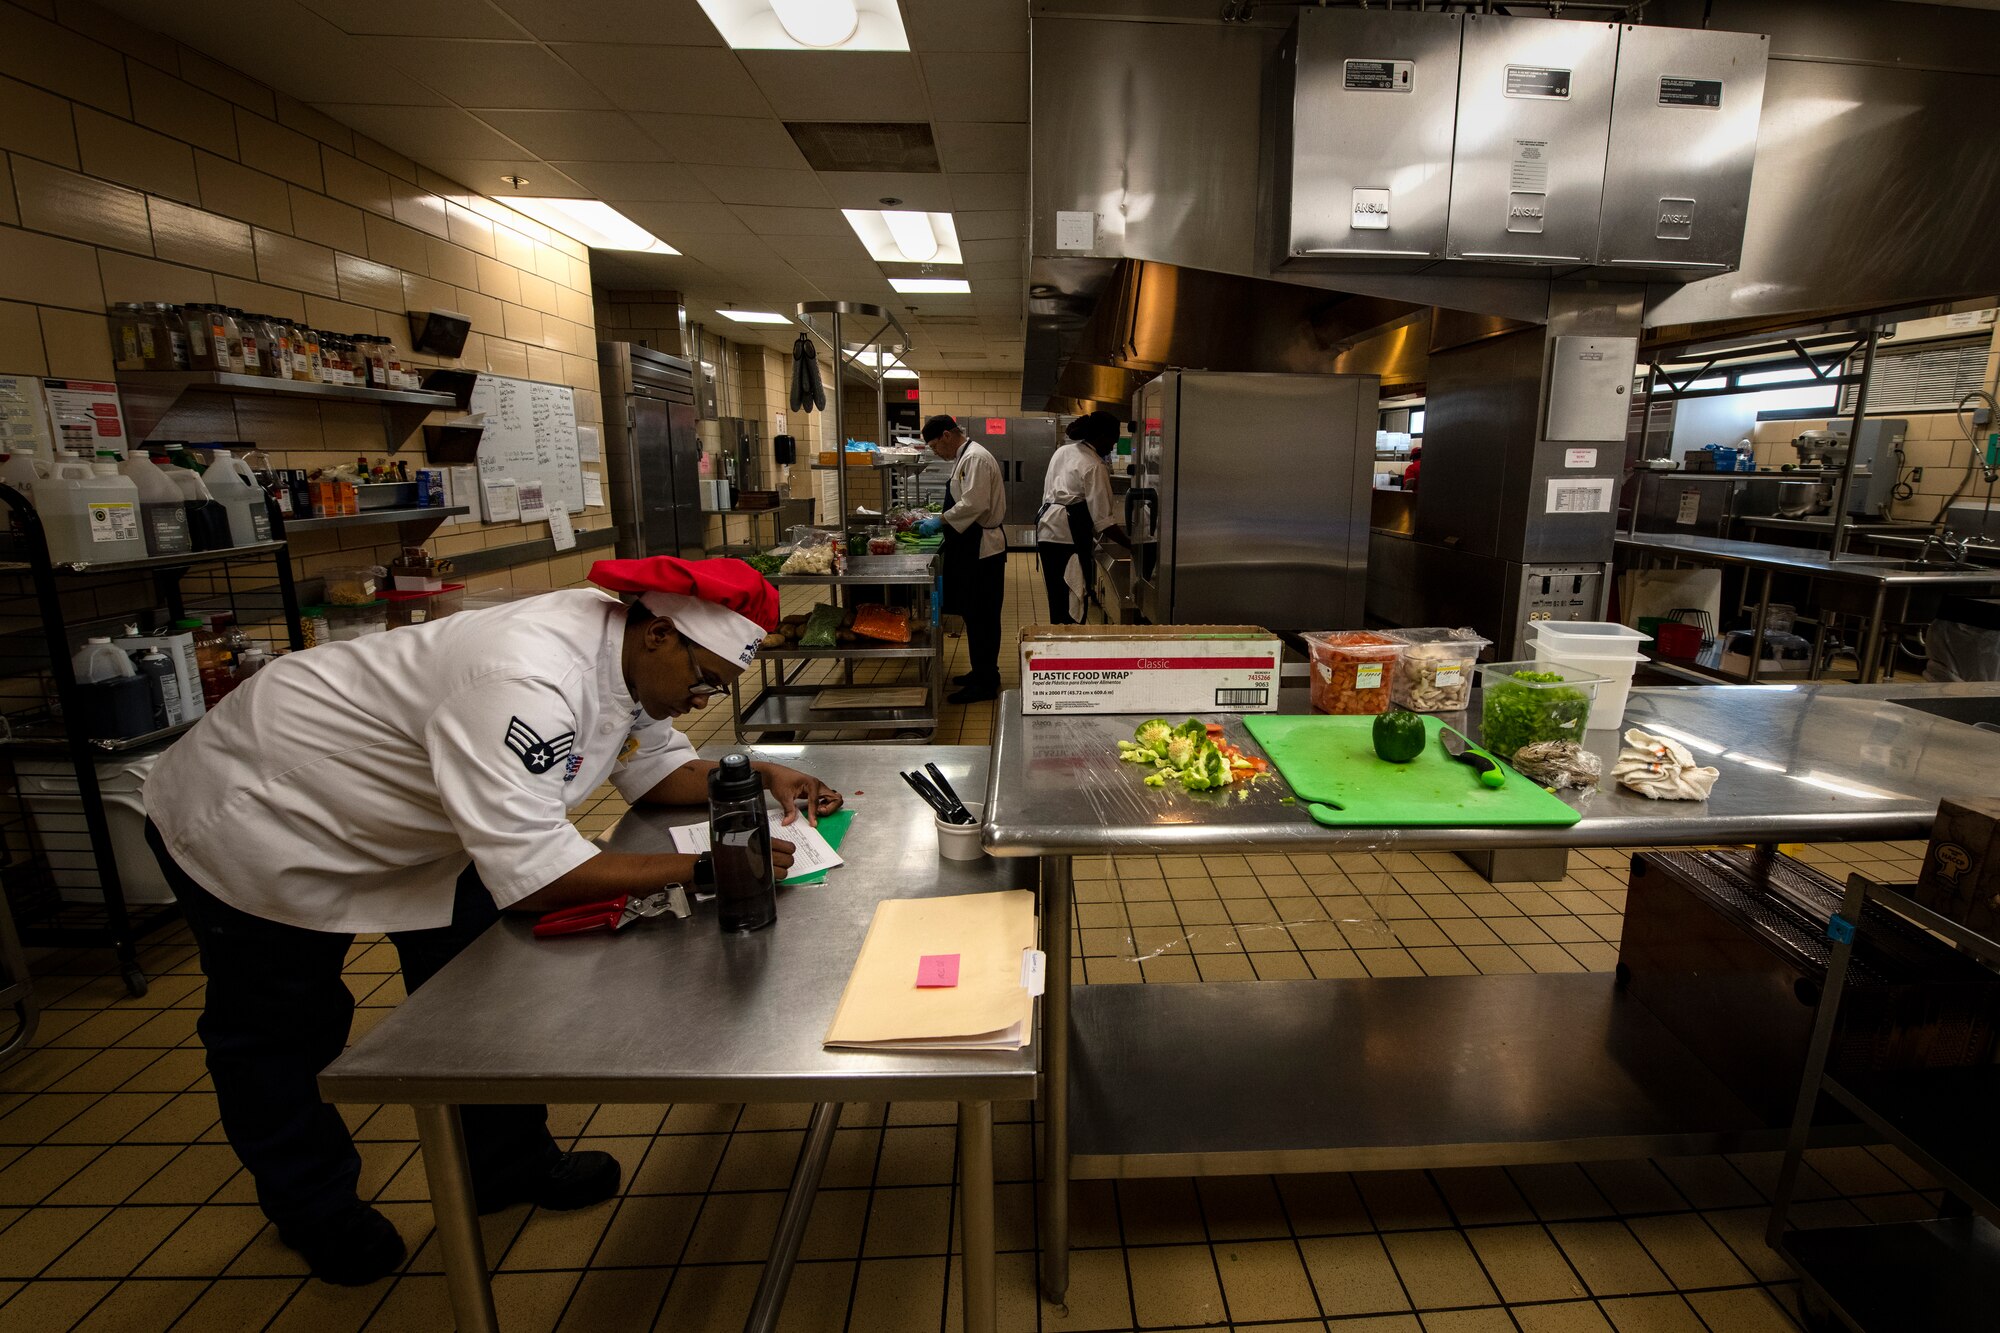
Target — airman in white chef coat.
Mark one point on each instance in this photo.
(418, 783)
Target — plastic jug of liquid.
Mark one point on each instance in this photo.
(23, 468)
(176, 644)
(746, 886)
(162, 515)
(113, 701)
(90, 516)
(163, 688)
(208, 522)
(235, 488)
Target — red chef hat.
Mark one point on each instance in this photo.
(722, 604)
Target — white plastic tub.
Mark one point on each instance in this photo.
(1608, 708)
(48, 787)
(1590, 638)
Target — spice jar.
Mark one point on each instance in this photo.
(313, 372)
(252, 362)
(200, 347)
(168, 319)
(139, 338)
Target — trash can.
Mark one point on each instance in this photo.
(49, 790)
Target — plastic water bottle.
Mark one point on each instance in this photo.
(746, 885)
(162, 514)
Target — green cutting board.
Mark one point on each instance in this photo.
(1331, 764)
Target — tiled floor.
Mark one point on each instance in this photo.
(122, 1208)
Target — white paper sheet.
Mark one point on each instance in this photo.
(593, 490)
(588, 447)
(811, 853)
(500, 500)
(560, 530)
(533, 501)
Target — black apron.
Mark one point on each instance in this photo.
(1083, 537)
(959, 564)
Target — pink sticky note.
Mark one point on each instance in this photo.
(937, 971)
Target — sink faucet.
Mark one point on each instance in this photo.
(1944, 541)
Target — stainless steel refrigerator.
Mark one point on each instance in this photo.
(1256, 489)
(1022, 446)
(652, 452)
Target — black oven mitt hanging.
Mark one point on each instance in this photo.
(808, 394)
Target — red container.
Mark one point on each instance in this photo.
(1675, 638)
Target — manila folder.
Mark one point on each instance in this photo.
(883, 1008)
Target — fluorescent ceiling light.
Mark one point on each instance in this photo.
(872, 225)
(899, 373)
(913, 233)
(755, 316)
(598, 225)
(808, 25)
(931, 286)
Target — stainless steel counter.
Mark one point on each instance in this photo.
(676, 1011)
(1797, 762)
(1366, 1073)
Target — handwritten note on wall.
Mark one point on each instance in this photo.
(530, 436)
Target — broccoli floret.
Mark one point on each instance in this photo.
(1152, 734)
(1182, 750)
(1156, 779)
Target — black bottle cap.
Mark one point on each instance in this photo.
(733, 779)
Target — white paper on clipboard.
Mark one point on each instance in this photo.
(560, 530)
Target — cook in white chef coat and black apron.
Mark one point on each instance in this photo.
(974, 554)
(1076, 510)
(418, 783)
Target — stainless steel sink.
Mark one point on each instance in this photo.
(1982, 711)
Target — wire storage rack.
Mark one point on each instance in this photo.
(1936, 1275)
(63, 838)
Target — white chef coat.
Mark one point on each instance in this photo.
(981, 496)
(1076, 472)
(345, 788)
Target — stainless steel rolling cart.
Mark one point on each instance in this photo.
(1930, 1276)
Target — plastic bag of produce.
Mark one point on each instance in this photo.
(822, 627)
(873, 621)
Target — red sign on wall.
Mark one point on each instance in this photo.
(909, 395)
(996, 425)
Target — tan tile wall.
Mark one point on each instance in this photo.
(973, 394)
(1936, 443)
(145, 172)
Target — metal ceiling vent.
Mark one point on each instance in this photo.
(844, 145)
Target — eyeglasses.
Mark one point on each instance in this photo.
(705, 686)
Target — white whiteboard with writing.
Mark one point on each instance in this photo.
(530, 435)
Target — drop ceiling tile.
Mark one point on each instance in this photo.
(288, 47)
(970, 146)
(760, 185)
(715, 248)
(424, 132)
(991, 225)
(1006, 270)
(846, 270)
(839, 85)
(576, 136)
(867, 189)
(485, 174)
(518, 74)
(991, 88)
(966, 25)
(658, 182)
(419, 18)
(793, 221)
(651, 22)
(1000, 189)
(732, 141)
(812, 249)
(1009, 250)
(688, 79)
(668, 221)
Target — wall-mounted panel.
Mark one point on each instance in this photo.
(1684, 114)
(1371, 109)
(1534, 115)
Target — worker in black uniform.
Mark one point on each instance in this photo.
(1075, 512)
(974, 554)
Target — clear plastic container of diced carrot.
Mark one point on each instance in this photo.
(1352, 670)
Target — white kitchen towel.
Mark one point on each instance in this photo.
(1079, 590)
(1661, 770)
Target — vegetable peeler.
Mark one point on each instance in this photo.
(613, 913)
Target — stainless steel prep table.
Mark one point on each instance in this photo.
(675, 1011)
(1879, 573)
(1361, 1074)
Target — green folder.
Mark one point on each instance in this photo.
(833, 828)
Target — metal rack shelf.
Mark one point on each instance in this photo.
(1934, 1276)
(148, 395)
(922, 644)
(776, 711)
(371, 517)
(187, 561)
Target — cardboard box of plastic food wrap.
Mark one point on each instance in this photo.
(1149, 669)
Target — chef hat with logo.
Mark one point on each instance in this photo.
(721, 604)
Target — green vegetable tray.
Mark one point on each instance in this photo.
(1331, 765)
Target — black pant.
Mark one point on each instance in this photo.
(278, 1012)
(1055, 559)
(985, 600)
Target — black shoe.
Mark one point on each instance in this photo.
(351, 1249)
(966, 679)
(978, 692)
(573, 1180)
